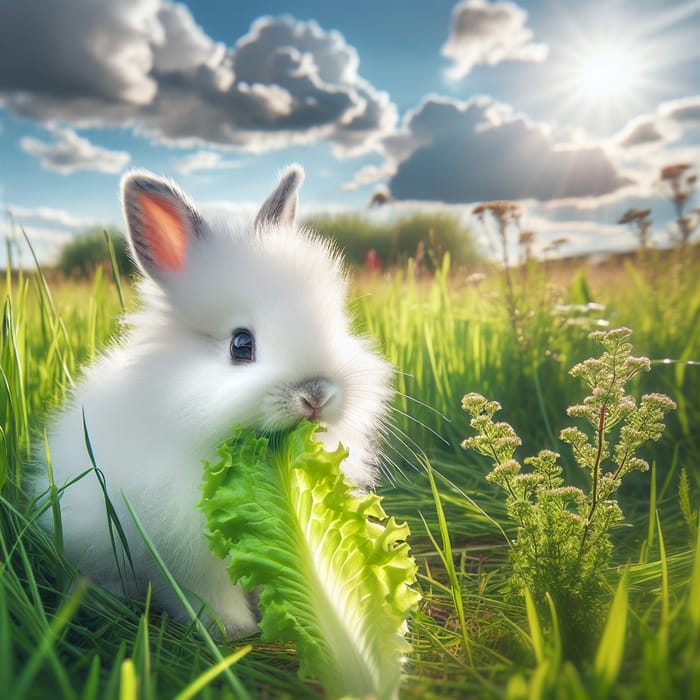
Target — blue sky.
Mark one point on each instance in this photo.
(569, 108)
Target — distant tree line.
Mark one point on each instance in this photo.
(425, 237)
(80, 257)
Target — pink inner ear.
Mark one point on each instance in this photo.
(164, 231)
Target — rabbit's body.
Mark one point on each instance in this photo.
(238, 327)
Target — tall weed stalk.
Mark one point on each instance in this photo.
(562, 546)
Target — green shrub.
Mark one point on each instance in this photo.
(442, 233)
(355, 235)
(396, 242)
(87, 251)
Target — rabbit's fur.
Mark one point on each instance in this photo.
(160, 401)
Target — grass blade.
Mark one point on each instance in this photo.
(210, 674)
(448, 560)
(665, 596)
(694, 593)
(46, 648)
(612, 644)
(127, 681)
(115, 268)
(6, 655)
(92, 685)
(536, 636)
(112, 517)
(238, 688)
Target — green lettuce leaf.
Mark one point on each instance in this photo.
(334, 571)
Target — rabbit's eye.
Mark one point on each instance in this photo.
(242, 346)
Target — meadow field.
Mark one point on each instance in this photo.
(636, 634)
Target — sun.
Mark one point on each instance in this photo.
(607, 73)
(601, 79)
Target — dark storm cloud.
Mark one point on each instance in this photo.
(75, 49)
(475, 151)
(146, 63)
(294, 83)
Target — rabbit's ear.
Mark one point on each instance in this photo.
(281, 206)
(161, 221)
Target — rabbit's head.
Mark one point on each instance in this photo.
(246, 324)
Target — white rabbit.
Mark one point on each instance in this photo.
(240, 326)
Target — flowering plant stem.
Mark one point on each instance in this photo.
(562, 545)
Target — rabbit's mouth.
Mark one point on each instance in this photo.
(314, 415)
(317, 400)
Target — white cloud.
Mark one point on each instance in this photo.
(483, 33)
(181, 44)
(649, 142)
(147, 64)
(670, 123)
(370, 174)
(70, 153)
(47, 229)
(641, 131)
(44, 236)
(206, 160)
(681, 113)
(583, 236)
(684, 109)
(223, 210)
(48, 216)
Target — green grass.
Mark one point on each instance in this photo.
(470, 639)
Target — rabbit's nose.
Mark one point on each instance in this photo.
(314, 395)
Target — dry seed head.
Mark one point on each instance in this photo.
(502, 210)
(634, 215)
(674, 171)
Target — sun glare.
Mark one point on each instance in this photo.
(606, 73)
(603, 75)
